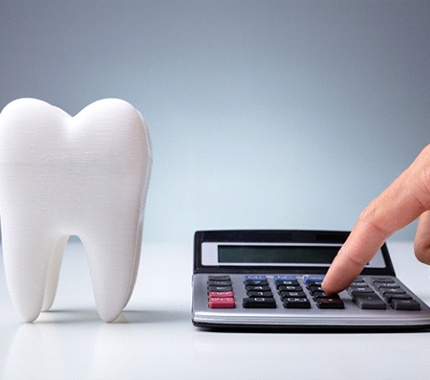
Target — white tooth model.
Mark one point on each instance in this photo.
(85, 175)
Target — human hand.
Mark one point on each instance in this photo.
(406, 199)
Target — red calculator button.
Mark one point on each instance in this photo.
(221, 303)
(228, 294)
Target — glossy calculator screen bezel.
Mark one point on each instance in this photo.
(207, 244)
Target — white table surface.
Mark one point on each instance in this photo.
(155, 339)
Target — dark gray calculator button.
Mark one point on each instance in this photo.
(375, 280)
(386, 285)
(219, 277)
(359, 280)
(297, 303)
(219, 283)
(360, 290)
(369, 301)
(329, 303)
(259, 303)
(386, 291)
(398, 304)
(390, 297)
(358, 284)
(214, 288)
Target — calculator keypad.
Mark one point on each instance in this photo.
(305, 292)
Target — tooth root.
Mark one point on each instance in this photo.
(26, 253)
(113, 269)
(54, 273)
(136, 263)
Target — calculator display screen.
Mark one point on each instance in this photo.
(287, 254)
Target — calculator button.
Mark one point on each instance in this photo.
(385, 285)
(292, 294)
(324, 295)
(297, 303)
(259, 303)
(289, 288)
(311, 279)
(358, 284)
(287, 283)
(278, 279)
(219, 288)
(219, 277)
(390, 297)
(258, 288)
(219, 283)
(386, 291)
(256, 282)
(399, 304)
(369, 301)
(329, 303)
(252, 293)
(376, 280)
(315, 288)
(221, 303)
(353, 290)
(256, 278)
(228, 294)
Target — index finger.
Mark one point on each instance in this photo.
(401, 203)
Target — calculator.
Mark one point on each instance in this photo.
(272, 279)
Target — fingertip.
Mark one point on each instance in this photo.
(331, 286)
(422, 253)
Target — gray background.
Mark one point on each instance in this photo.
(276, 114)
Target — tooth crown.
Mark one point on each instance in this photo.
(85, 175)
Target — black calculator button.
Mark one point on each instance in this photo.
(315, 288)
(329, 303)
(369, 301)
(358, 284)
(297, 303)
(377, 280)
(290, 288)
(324, 295)
(252, 293)
(399, 304)
(258, 288)
(359, 281)
(259, 303)
(256, 282)
(287, 282)
(292, 294)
